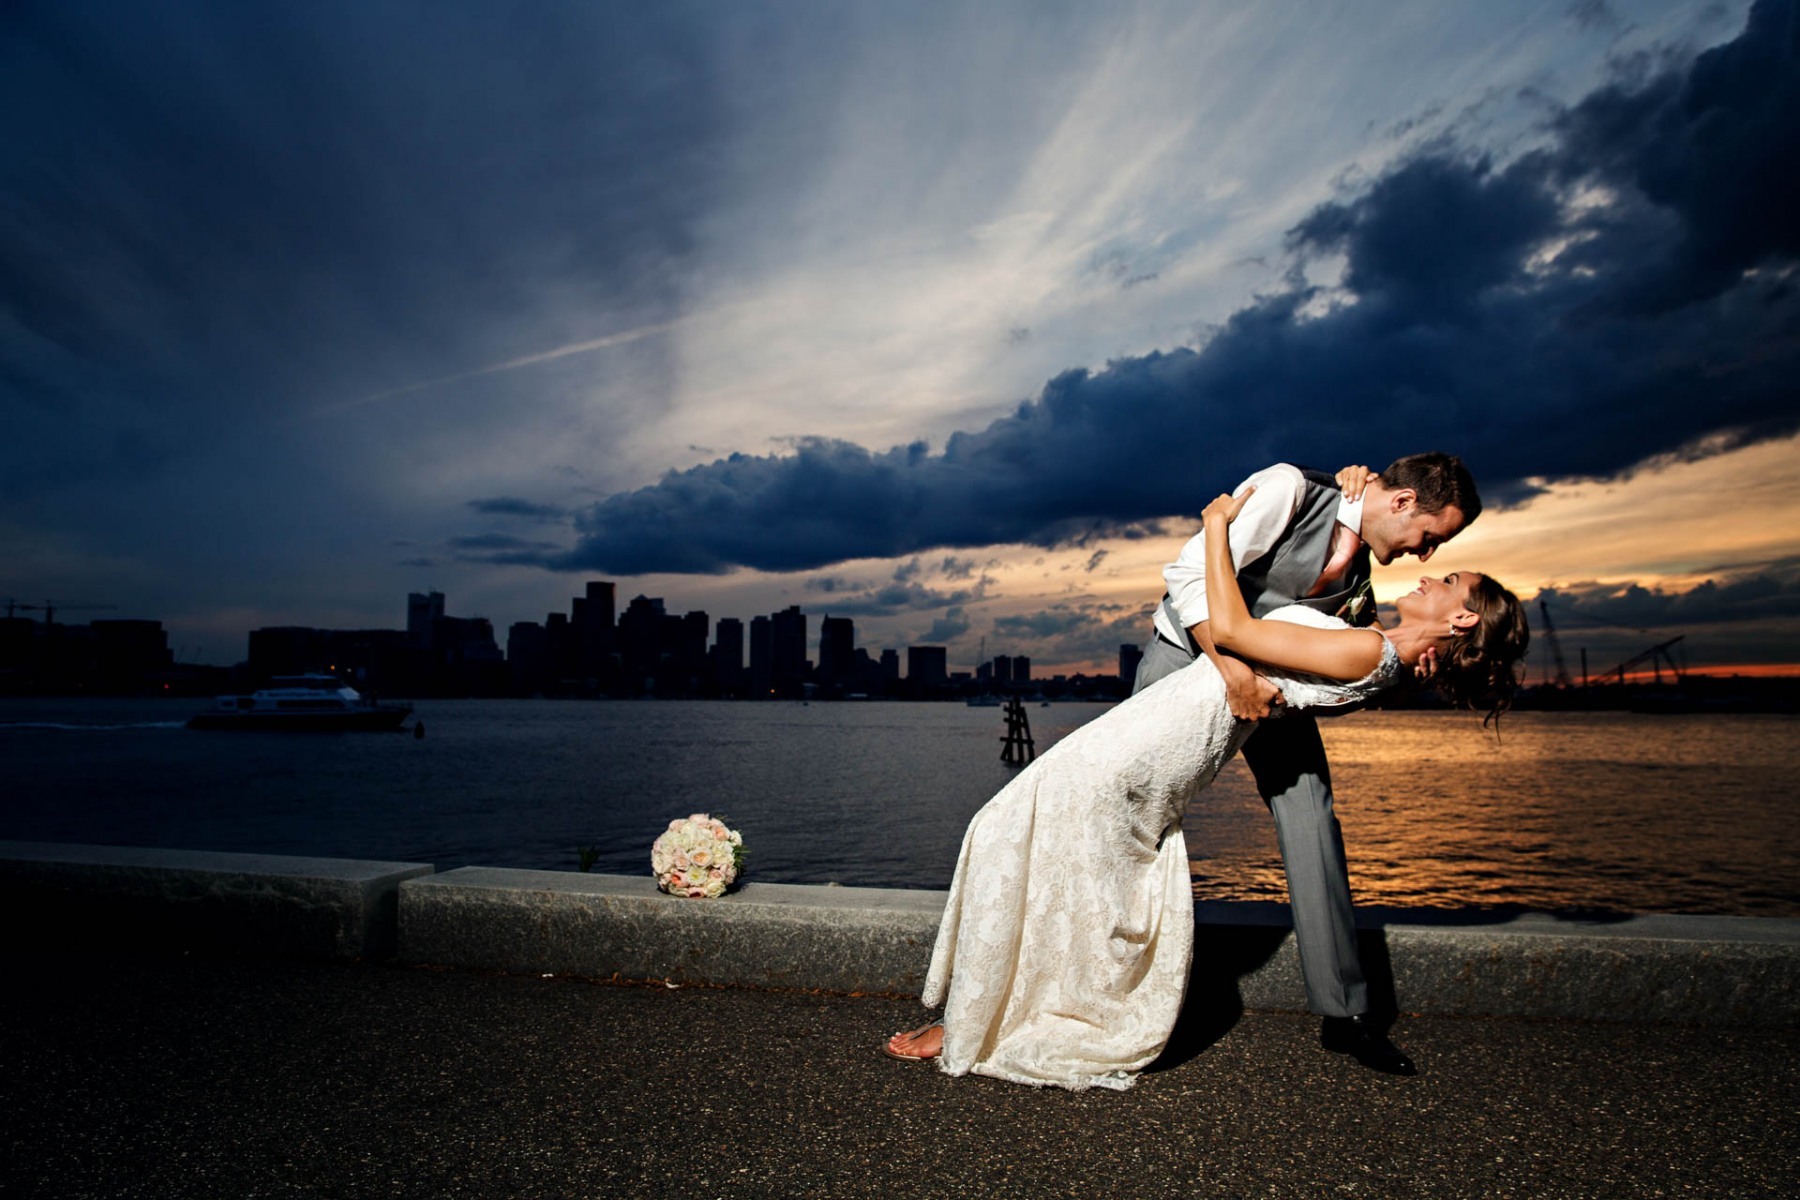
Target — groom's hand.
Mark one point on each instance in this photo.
(1249, 696)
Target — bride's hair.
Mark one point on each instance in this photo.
(1480, 667)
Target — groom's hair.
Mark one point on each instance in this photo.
(1439, 480)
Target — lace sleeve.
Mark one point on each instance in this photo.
(1300, 690)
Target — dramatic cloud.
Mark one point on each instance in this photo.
(1050, 623)
(954, 567)
(512, 506)
(1073, 633)
(832, 584)
(1772, 591)
(949, 627)
(903, 593)
(292, 296)
(1620, 293)
(496, 548)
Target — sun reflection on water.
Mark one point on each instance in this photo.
(1610, 811)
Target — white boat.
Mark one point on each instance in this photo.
(308, 702)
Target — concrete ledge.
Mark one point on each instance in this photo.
(1697, 970)
(1700, 970)
(763, 935)
(75, 899)
(72, 898)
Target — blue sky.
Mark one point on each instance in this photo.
(944, 316)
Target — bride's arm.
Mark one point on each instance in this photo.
(1345, 654)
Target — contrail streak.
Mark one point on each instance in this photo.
(600, 343)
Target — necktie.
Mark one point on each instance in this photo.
(1344, 545)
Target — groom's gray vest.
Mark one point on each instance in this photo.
(1291, 566)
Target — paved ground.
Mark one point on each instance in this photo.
(198, 1078)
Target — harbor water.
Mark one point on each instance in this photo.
(1599, 812)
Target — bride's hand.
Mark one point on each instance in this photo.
(1353, 479)
(1227, 507)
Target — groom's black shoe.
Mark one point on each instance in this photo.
(1356, 1037)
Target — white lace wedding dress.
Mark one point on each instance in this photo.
(1064, 951)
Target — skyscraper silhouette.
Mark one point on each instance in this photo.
(837, 651)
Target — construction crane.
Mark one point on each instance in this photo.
(1655, 656)
(1562, 669)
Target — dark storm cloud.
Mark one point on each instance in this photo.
(1621, 294)
(1074, 633)
(955, 567)
(903, 592)
(949, 627)
(1049, 623)
(1771, 591)
(217, 212)
(497, 548)
(512, 506)
(832, 584)
(1740, 616)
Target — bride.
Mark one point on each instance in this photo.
(1064, 951)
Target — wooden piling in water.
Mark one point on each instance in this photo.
(1017, 747)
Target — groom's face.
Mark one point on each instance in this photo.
(1402, 528)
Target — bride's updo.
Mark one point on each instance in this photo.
(1479, 669)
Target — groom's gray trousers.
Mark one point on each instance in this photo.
(1288, 760)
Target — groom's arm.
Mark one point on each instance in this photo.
(1266, 514)
(1268, 511)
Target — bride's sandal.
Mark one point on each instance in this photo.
(911, 1036)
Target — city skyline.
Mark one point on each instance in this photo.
(721, 631)
(593, 650)
(947, 320)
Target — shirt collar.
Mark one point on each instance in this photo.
(1349, 514)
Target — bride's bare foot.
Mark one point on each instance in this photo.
(916, 1045)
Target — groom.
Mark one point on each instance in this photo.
(1299, 539)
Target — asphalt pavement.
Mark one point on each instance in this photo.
(200, 1078)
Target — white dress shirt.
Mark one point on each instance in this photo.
(1279, 490)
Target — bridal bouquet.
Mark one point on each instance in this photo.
(697, 857)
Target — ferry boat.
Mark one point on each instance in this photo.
(304, 702)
